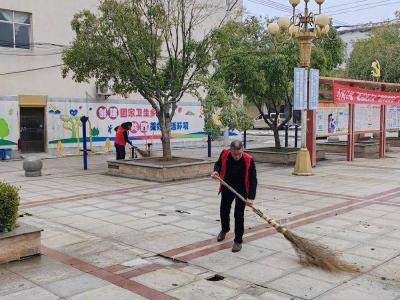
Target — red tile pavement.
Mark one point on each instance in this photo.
(252, 234)
(116, 268)
(107, 275)
(310, 218)
(388, 203)
(140, 271)
(261, 227)
(388, 192)
(104, 193)
(308, 192)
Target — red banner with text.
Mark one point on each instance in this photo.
(354, 95)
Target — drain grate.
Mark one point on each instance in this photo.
(216, 277)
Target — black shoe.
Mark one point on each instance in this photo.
(236, 247)
(221, 236)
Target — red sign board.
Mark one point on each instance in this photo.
(355, 95)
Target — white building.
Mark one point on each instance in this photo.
(351, 35)
(40, 108)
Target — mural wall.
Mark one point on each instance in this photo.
(9, 120)
(63, 121)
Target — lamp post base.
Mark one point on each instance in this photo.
(303, 163)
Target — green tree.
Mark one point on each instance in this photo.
(384, 45)
(259, 68)
(4, 130)
(157, 48)
(221, 109)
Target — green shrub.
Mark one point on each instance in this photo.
(9, 202)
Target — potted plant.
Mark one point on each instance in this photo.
(20, 240)
(9, 202)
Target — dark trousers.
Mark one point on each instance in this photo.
(120, 152)
(227, 198)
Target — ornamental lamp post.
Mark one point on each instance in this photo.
(304, 27)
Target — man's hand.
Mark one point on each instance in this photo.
(249, 202)
(215, 175)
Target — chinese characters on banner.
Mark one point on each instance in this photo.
(354, 95)
(113, 112)
(104, 117)
(132, 114)
(143, 126)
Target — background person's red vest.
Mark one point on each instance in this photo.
(247, 161)
(119, 137)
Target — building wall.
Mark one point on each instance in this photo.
(350, 37)
(50, 24)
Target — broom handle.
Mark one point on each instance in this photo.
(278, 227)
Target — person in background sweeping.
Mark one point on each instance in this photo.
(239, 171)
(121, 138)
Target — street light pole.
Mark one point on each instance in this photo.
(304, 27)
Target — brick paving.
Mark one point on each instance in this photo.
(116, 238)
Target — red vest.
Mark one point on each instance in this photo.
(119, 137)
(247, 161)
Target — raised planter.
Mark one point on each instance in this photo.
(155, 169)
(393, 141)
(367, 149)
(22, 242)
(283, 156)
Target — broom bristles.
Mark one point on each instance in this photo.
(314, 254)
(309, 252)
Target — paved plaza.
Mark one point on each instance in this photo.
(115, 238)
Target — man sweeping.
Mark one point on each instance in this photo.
(238, 170)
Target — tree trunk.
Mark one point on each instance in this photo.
(165, 127)
(166, 145)
(277, 138)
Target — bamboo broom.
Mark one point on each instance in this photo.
(143, 153)
(310, 253)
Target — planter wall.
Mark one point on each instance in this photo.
(361, 149)
(393, 141)
(155, 171)
(22, 242)
(286, 157)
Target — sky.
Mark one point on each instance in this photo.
(343, 12)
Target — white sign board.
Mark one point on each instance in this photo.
(393, 117)
(300, 89)
(313, 89)
(367, 117)
(332, 119)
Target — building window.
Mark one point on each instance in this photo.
(15, 29)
